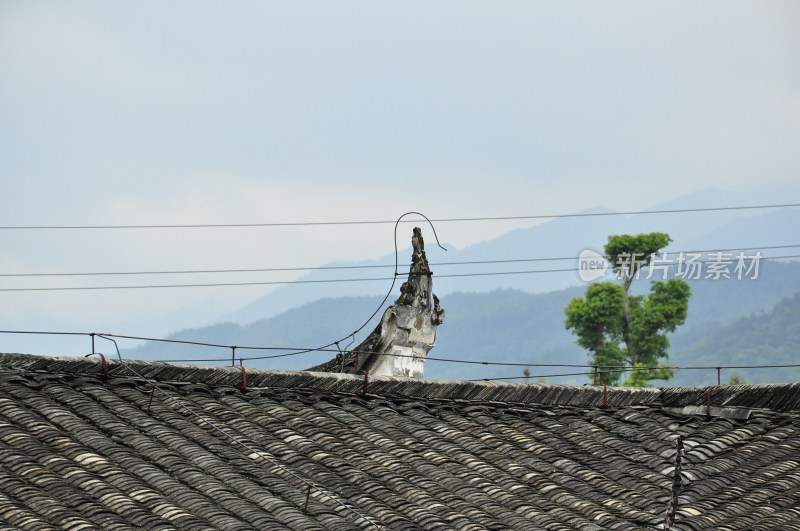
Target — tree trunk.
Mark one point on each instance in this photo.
(626, 331)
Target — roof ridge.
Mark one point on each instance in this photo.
(781, 397)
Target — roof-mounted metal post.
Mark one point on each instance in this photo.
(309, 486)
(677, 486)
(150, 402)
(103, 363)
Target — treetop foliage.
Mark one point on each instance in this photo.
(625, 250)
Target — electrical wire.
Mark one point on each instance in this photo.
(322, 281)
(385, 298)
(369, 266)
(377, 222)
(532, 376)
(617, 369)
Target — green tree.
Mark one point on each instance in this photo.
(620, 329)
(735, 379)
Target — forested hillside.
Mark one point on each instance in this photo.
(769, 337)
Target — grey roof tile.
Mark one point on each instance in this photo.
(81, 451)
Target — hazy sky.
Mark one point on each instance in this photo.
(228, 112)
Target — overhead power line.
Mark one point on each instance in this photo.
(386, 221)
(296, 351)
(315, 281)
(271, 283)
(351, 267)
(619, 369)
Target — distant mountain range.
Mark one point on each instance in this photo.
(513, 317)
(519, 317)
(558, 238)
(514, 326)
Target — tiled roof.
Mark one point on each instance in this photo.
(84, 450)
